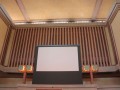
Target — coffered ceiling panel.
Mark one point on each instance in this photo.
(32, 10)
(106, 8)
(12, 8)
(58, 9)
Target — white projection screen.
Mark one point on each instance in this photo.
(57, 59)
(57, 64)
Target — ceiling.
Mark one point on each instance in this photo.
(37, 10)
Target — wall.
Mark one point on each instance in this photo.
(3, 31)
(98, 81)
(116, 31)
(93, 43)
(9, 47)
(112, 55)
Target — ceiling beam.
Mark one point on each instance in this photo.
(23, 10)
(96, 9)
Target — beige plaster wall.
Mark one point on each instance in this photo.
(116, 31)
(110, 46)
(3, 30)
(9, 48)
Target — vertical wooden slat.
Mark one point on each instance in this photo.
(103, 46)
(43, 35)
(65, 33)
(12, 49)
(60, 41)
(55, 36)
(92, 49)
(31, 45)
(51, 36)
(76, 34)
(34, 45)
(88, 45)
(71, 35)
(96, 49)
(68, 36)
(100, 53)
(19, 41)
(46, 36)
(39, 36)
(28, 41)
(106, 45)
(9, 62)
(25, 46)
(58, 35)
(57, 39)
(18, 50)
(18, 45)
(63, 36)
(37, 33)
(40, 33)
(81, 46)
(83, 41)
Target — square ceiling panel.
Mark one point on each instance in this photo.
(12, 8)
(106, 8)
(35, 10)
(59, 9)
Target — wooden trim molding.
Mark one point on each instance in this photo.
(113, 43)
(5, 16)
(5, 45)
(113, 13)
(9, 70)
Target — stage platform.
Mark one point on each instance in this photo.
(58, 87)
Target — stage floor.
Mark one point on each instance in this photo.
(58, 87)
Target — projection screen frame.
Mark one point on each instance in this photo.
(60, 77)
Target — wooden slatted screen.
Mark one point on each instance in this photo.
(92, 40)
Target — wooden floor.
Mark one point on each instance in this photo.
(58, 87)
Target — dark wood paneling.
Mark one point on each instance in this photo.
(92, 41)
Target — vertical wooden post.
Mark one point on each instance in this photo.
(24, 77)
(91, 75)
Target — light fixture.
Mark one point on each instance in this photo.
(90, 69)
(29, 68)
(22, 68)
(86, 68)
(25, 69)
(94, 68)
